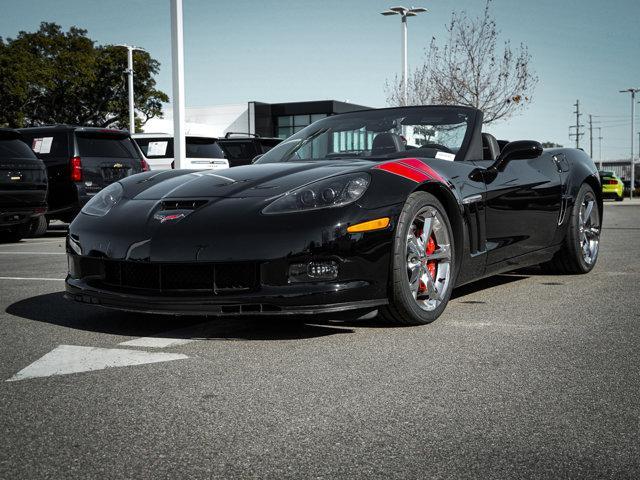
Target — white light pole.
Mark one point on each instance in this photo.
(404, 14)
(633, 92)
(177, 65)
(129, 71)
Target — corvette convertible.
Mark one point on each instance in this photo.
(385, 210)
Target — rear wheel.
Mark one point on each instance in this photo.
(39, 226)
(579, 251)
(423, 262)
(619, 198)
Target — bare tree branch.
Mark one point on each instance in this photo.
(470, 69)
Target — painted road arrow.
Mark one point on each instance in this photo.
(66, 359)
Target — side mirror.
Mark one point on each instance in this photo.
(255, 159)
(518, 150)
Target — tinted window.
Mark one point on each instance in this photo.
(236, 150)
(15, 149)
(47, 145)
(268, 143)
(105, 146)
(203, 148)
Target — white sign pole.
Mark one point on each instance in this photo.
(177, 60)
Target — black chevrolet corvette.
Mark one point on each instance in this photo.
(384, 210)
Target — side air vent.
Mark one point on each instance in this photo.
(182, 204)
(474, 215)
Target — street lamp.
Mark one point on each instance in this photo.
(404, 14)
(129, 71)
(633, 92)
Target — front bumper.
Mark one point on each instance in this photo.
(312, 299)
(230, 261)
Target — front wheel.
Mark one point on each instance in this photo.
(422, 266)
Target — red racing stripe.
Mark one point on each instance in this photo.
(420, 165)
(405, 171)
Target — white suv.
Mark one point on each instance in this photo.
(202, 152)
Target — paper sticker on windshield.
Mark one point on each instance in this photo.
(445, 156)
(157, 149)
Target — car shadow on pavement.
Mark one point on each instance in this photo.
(52, 308)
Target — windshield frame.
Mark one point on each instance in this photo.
(286, 149)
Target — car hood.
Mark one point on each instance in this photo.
(260, 180)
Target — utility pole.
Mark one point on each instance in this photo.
(591, 135)
(600, 146)
(633, 92)
(404, 14)
(577, 126)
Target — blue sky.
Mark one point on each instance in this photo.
(276, 51)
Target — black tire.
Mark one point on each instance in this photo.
(403, 309)
(39, 226)
(16, 233)
(570, 259)
(619, 199)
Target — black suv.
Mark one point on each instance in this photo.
(242, 148)
(80, 162)
(23, 186)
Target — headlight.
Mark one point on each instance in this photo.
(327, 193)
(103, 201)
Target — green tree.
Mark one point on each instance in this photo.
(51, 76)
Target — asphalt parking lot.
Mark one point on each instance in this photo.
(524, 375)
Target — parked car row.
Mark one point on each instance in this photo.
(23, 187)
(50, 172)
(202, 152)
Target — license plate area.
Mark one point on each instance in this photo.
(111, 174)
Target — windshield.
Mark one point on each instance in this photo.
(432, 132)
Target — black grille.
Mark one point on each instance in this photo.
(179, 277)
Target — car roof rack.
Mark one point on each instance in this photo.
(228, 134)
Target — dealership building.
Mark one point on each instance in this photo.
(264, 119)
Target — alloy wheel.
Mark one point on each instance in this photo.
(589, 229)
(428, 258)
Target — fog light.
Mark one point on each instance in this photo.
(313, 271)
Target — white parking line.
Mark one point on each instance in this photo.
(26, 244)
(33, 253)
(67, 359)
(156, 342)
(34, 278)
(171, 338)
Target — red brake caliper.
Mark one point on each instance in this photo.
(431, 264)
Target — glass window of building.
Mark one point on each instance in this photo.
(290, 124)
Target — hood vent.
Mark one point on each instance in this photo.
(182, 204)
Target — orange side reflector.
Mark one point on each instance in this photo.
(376, 224)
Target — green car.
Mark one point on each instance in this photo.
(612, 186)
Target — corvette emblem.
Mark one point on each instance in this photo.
(117, 165)
(168, 217)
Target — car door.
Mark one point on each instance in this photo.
(52, 146)
(523, 202)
